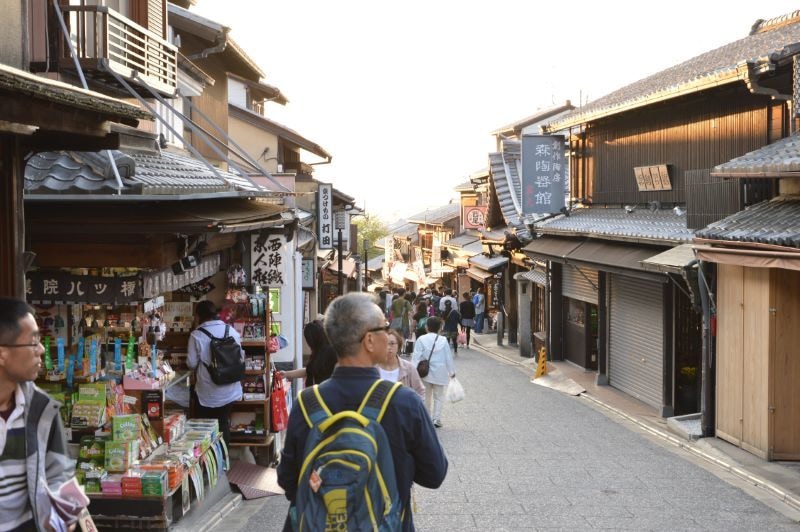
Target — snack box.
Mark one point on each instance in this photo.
(93, 393)
(120, 455)
(126, 427)
(87, 415)
(154, 483)
(112, 484)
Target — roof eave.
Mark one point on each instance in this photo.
(691, 87)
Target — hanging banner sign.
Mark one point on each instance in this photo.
(48, 287)
(269, 260)
(163, 281)
(325, 216)
(388, 255)
(436, 257)
(543, 174)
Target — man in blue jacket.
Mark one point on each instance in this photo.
(358, 332)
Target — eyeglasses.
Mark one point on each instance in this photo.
(385, 328)
(37, 341)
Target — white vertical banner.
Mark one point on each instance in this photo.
(436, 256)
(273, 268)
(388, 255)
(325, 216)
(299, 297)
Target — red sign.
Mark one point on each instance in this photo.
(475, 217)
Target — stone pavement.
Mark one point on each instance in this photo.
(525, 457)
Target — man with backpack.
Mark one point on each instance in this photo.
(355, 444)
(217, 380)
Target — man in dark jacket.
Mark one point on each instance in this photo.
(358, 333)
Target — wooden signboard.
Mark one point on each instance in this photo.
(654, 177)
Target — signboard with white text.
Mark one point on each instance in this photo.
(325, 216)
(543, 174)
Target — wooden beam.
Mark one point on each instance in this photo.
(155, 255)
(56, 141)
(50, 116)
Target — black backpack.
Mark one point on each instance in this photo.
(227, 365)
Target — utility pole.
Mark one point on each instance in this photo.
(339, 226)
(366, 268)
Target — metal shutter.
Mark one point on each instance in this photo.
(576, 285)
(636, 362)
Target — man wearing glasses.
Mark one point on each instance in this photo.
(358, 333)
(32, 449)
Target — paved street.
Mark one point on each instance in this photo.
(527, 457)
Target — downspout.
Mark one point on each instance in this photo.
(219, 47)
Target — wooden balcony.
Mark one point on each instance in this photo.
(101, 36)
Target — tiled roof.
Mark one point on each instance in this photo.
(467, 186)
(780, 157)
(437, 215)
(142, 173)
(506, 171)
(461, 241)
(768, 42)
(539, 116)
(375, 263)
(617, 224)
(400, 228)
(775, 222)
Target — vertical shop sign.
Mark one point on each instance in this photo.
(388, 255)
(308, 273)
(325, 216)
(268, 266)
(436, 257)
(543, 174)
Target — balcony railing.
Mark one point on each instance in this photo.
(101, 35)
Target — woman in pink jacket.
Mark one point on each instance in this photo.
(398, 369)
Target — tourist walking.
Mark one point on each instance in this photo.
(396, 369)
(451, 320)
(479, 300)
(467, 310)
(436, 350)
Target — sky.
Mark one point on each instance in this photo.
(405, 95)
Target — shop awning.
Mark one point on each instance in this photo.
(479, 275)
(534, 276)
(551, 248)
(227, 215)
(162, 281)
(751, 258)
(612, 254)
(670, 261)
(489, 264)
(348, 267)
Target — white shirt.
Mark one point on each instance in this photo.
(15, 507)
(389, 374)
(454, 303)
(441, 360)
(199, 353)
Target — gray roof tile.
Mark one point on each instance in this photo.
(779, 157)
(775, 222)
(141, 172)
(437, 215)
(642, 224)
(771, 41)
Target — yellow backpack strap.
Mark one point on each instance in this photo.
(314, 409)
(377, 399)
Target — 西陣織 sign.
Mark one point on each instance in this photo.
(325, 216)
(268, 260)
(543, 174)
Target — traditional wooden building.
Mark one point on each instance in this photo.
(640, 166)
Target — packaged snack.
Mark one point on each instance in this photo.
(126, 427)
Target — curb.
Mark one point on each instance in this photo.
(771, 488)
(217, 513)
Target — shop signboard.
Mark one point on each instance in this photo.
(388, 255)
(325, 216)
(63, 287)
(543, 174)
(475, 217)
(163, 281)
(269, 260)
(308, 274)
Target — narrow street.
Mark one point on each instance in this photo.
(527, 457)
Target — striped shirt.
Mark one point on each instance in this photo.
(14, 504)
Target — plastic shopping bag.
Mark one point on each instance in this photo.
(455, 392)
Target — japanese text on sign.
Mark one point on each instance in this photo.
(268, 260)
(543, 174)
(43, 286)
(325, 216)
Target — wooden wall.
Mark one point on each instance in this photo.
(730, 320)
(688, 135)
(756, 361)
(786, 364)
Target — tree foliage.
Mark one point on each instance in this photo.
(370, 228)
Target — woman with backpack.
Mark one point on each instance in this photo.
(452, 321)
(467, 309)
(421, 319)
(401, 310)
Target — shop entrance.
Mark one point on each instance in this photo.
(580, 333)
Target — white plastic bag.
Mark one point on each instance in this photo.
(455, 392)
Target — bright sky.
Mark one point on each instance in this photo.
(405, 94)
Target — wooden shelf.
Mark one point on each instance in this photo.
(255, 402)
(254, 372)
(255, 343)
(262, 442)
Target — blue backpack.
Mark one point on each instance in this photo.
(347, 479)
